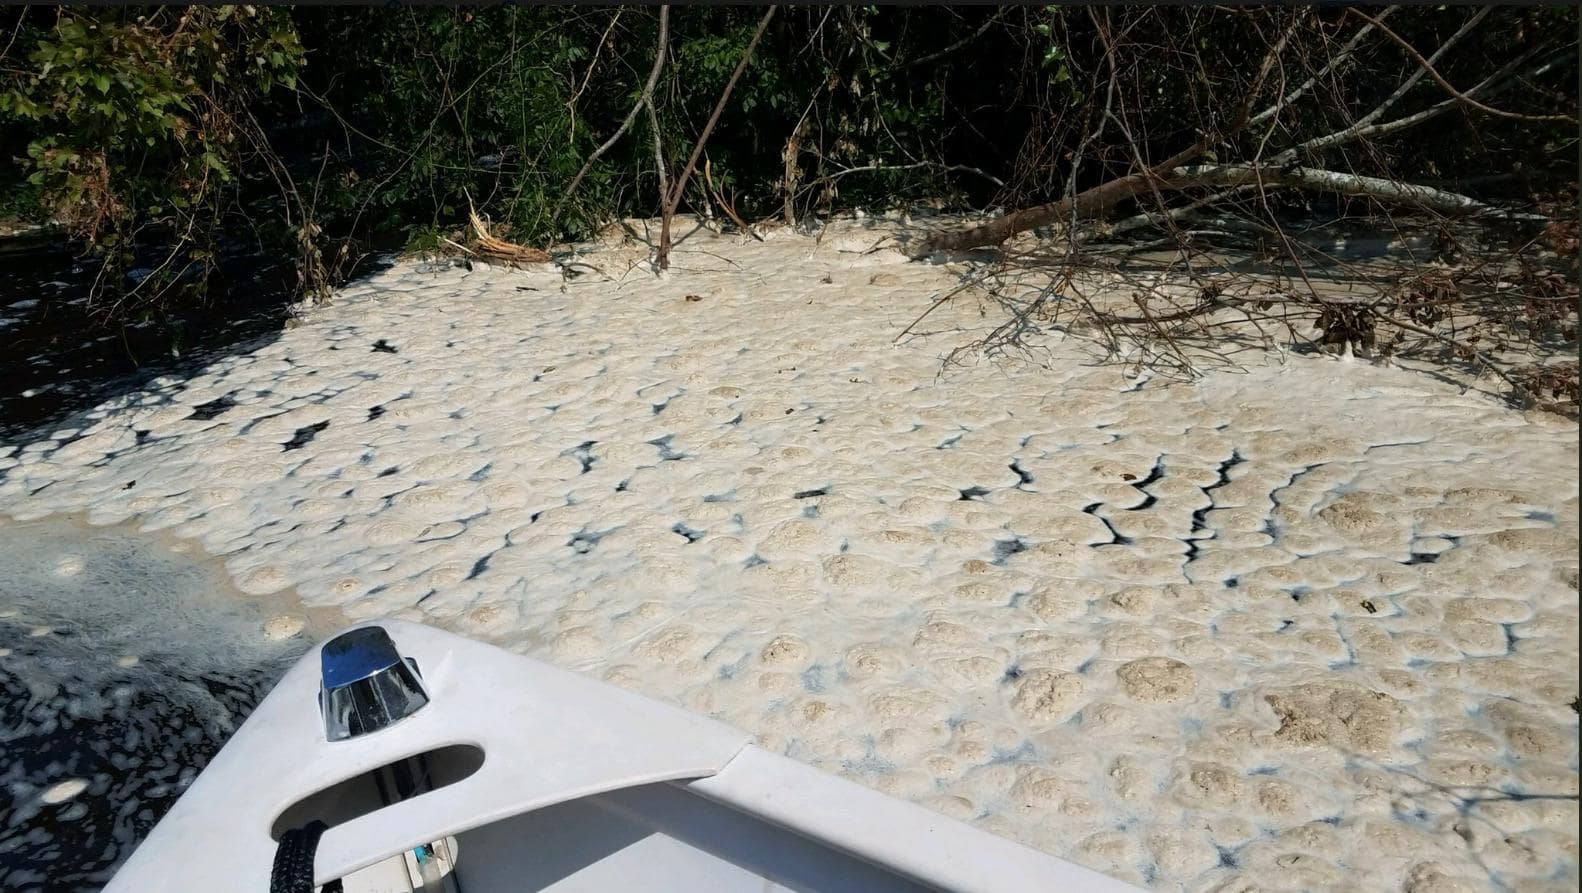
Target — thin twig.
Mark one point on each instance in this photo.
(571, 104)
(948, 168)
(1364, 129)
(957, 45)
(728, 207)
(659, 151)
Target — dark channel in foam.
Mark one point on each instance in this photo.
(123, 665)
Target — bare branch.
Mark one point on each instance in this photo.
(662, 259)
(1427, 66)
(1334, 62)
(661, 45)
(1106, 195)
(571, 104)
(1154, 218)
(659, 151)
(1365, 129)
(1392, 191)
(948, 168)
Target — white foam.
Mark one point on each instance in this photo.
(1219, 634)
(63, 791)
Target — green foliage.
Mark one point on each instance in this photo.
(152, 133)
(137, 121)
(453, 108)
(499, 108)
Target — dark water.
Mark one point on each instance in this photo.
(59, 353)
(124, 665)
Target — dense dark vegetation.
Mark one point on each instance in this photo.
(162, 140)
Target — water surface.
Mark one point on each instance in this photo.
(124, 665)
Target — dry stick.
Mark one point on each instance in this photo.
(1149, 217)
(939, 302)
(788, 184)
(791, 154)
(571, 104)
(647, 95)
(1098, 132)
(945, 298)
(947, 168)
(1260, 184)
(659, 151)
(1131, 141)
(1268, 64)
(1365, 128)
(1226, 301)
(1086, 203)
(662, 259)
(1362, 126)
(1455, 345)
(729, 207)
(1106, 194)
(1439, 79)
(791, 180)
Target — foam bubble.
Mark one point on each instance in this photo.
(63, 791)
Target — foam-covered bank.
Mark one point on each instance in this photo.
(1310, 626)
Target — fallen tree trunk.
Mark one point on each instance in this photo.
(1275, 168)
(1173, 176)
(1427, 198)
(1086, 204)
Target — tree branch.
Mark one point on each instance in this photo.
(1427, 66)
(1155, 217)
(948, 168)
(647, 96)
(1365, 128)
(571, 104)
(1333, 63)
(1391, 191)
(662, 259)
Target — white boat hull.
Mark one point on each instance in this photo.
(540, 779)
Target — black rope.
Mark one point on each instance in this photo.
(293, 871)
